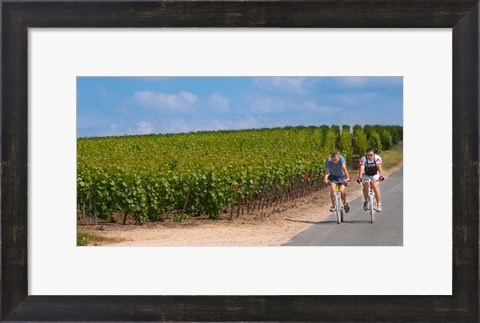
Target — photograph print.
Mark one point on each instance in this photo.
(240, 161)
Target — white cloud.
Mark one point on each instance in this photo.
(144, 128)
(298, 85)
(246, 122)
(354, 99)
(354, 80)
(276, 106)
(190, 97)
(177, 125)
(266, 105)
(219, 102)
(363, 81)
(176, 101)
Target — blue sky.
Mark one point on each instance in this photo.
(111, 106)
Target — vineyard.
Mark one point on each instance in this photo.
(155, 177)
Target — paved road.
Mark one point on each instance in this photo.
(357, 229)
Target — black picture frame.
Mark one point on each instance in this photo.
(460, 15)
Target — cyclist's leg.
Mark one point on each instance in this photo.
(365, 179)
(344, 194)
(376, 187)
(331, 183)
(332, 192)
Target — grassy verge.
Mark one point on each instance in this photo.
(392, 157)
(90, 239)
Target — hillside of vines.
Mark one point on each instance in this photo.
(153, 177)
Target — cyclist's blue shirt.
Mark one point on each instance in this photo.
(335, 169)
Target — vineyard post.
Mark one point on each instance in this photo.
(298, 194)
(254, 202)
(243, 203)
(266, 200)
(238, 205)
(294, 189)
(255, 198)
(287, 193)
(231, 212)
(260, 203)
(279, 198)
(263, 198)
(318, 183)
(83, 209)
(304, 188)
(89, 209)
(298, 188)
(94, 212)
(312, 182)
(90, 203)
(284, 191)
(274, 187)
(290, 191)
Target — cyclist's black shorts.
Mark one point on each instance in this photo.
(335, 179)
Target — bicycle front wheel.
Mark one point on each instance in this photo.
(373, 206)
(338, 210)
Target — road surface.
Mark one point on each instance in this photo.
(357, 229)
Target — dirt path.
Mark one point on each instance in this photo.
(247, 230)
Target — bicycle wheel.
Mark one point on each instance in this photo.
(342, 211)
(372, 207)
(337, 209)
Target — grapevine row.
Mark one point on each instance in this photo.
(213, 172)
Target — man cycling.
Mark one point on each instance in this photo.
(371, 170)
(336, 171)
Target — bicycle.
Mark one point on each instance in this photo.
(372, 200)
(337, 202)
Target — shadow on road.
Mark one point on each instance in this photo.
(311, 222)
(330, 222)
(357, 222)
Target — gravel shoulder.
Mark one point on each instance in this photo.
(265, 229)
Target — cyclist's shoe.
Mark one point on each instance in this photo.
(379, 207)
(332, 209)
(365, 205)
(347, 208)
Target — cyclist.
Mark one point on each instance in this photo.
(371, 169)
(336, 171)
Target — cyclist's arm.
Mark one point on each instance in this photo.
(362, 169)
(380, 170)
(327, 172)
(347, 177)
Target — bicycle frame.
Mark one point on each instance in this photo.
(338, 204)
(372, 201)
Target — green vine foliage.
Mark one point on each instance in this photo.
(155, 176)
(345, 144)
(360, 142)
